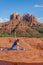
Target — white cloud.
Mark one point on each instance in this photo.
(3, 20)
(38, 6)
(40, 19)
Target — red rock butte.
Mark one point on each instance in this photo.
(15, 16)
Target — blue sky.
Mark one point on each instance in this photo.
(34, 7)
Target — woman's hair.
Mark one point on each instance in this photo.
(17, 40)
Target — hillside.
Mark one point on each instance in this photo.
(25, 26)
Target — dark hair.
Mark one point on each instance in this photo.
(17, 40)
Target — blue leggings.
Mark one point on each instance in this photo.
(12, 46)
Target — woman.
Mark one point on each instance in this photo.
(16, 43)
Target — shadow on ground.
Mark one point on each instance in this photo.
(9, 63)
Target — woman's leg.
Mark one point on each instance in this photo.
(12, 46)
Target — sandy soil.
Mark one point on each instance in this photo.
(33, 52)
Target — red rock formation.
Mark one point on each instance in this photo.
(19, 24)
(26, 17)
(40, 25)
(15, 16)
(31, 19)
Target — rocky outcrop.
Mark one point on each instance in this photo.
(26, 17)
(15, 16)
(31, 19)
(41, 25)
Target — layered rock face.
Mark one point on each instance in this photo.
(31, 19)
(26, 17)
(15, 16)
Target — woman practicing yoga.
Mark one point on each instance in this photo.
(13, 47)
(16, 43)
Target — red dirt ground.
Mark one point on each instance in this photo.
(33, 52)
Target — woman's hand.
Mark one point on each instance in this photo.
(17, 45)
